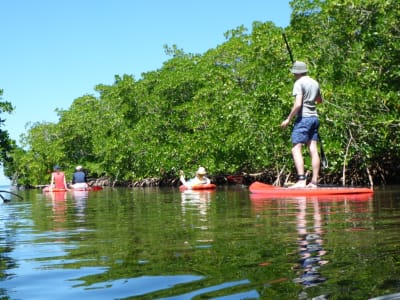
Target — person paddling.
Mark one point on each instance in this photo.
(200, 178)
(58, 179)
(305, 131)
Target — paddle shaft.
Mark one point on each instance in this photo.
(288, 47)
(324, 160)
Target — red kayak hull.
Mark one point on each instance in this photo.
(93, 188)
(270, 190)
(198, 187)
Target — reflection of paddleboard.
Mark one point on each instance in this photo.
(270, 190)
(197, 187)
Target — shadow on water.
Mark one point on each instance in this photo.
(155, 243)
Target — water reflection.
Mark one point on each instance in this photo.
(309, 226)
(310, 243)
(80, 198)
(200, 200)
(195, 206)
(163, 244)
(59, 207)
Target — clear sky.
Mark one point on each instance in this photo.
(54, 51)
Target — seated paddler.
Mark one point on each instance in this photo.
(200, 178)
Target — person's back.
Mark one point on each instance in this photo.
(79, 180)
(309, 88)
(78, 177)
(59, 179)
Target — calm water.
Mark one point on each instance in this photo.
(162, 244)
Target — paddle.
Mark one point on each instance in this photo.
(6, 200)
(324, 160)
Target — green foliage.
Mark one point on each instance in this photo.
(222, 109)
(6, 144)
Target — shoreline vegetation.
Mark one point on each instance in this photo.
(270, 177)
(222, 109)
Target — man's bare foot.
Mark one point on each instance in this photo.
(298, 184)
(312, 185)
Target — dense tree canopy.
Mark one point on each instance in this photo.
(6, 144)
(222, 109)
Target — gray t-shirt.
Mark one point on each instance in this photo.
(309, 88)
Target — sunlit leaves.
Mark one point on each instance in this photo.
(222, 109)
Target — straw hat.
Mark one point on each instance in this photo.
(201, 171)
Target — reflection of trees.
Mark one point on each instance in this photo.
(7, 245)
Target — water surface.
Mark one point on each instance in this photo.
(155, 243)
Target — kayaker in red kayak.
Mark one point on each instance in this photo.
(305, 131)
(200, 178)
(58, 179)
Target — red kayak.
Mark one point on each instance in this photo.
(198, 187)
(270, 190)
(92, 188)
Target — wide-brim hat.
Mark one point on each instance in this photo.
(299, 67)
(201, 171)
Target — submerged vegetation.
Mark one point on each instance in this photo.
(222, 109)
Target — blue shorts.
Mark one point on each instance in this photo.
(305, 130)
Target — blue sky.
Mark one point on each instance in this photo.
(54, 51)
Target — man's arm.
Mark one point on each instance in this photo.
(295, 109)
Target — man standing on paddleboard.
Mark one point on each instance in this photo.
(305, 131)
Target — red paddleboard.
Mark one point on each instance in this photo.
(270, 190)
(198, 187)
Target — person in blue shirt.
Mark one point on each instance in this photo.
(79, 180)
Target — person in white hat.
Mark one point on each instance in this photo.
(200, 178)
(79, 181)
(305, 130)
